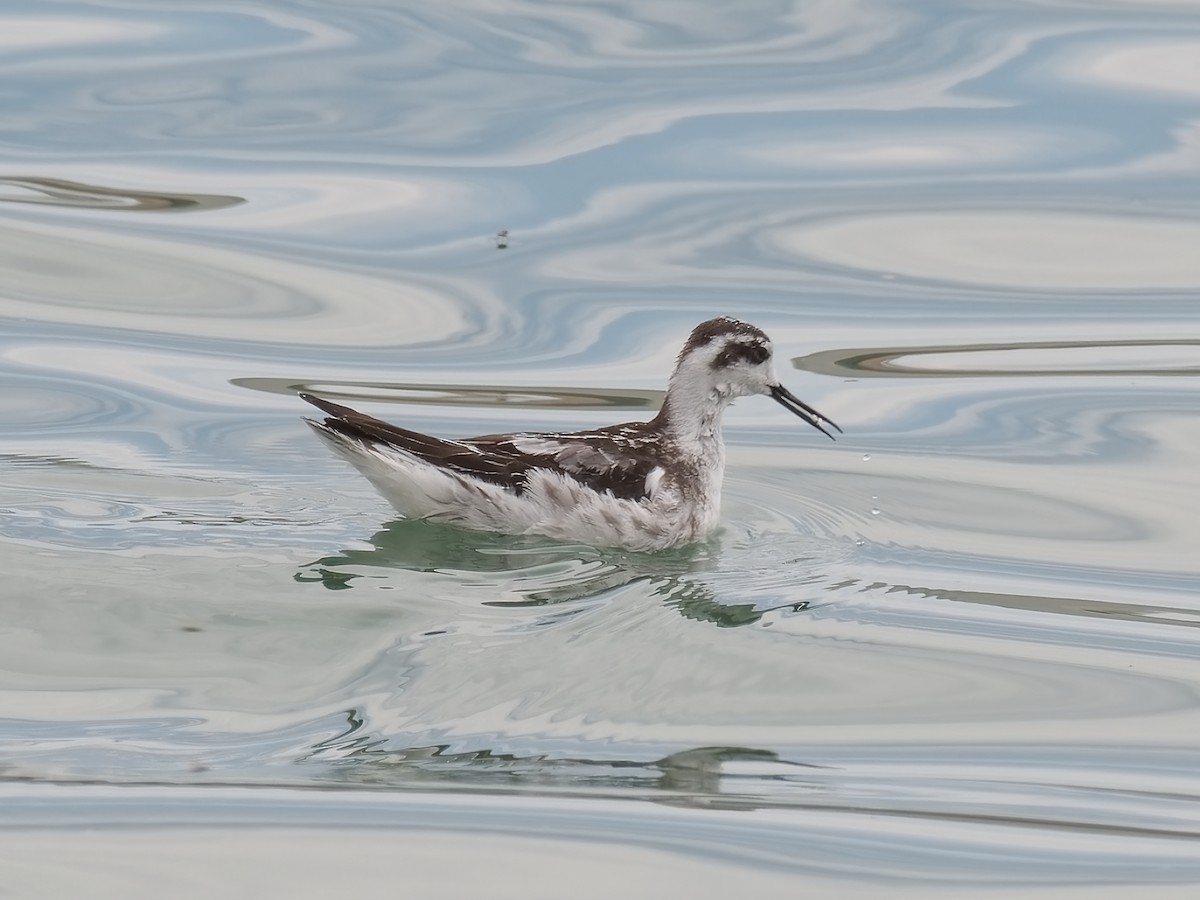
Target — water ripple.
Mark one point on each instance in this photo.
(336, 838)
(462, 394)
(962, 636)
(1039, 251)
(1043, 359)
(73, 194)
(156, 285)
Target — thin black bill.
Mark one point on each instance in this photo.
(792, 403)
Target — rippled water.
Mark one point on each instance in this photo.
(954, 651)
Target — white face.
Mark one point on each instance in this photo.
(736, 365)
(724, 358)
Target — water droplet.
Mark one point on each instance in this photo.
(866, 457)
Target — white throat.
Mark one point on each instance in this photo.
(692, 412)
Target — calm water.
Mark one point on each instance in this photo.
(956, 651)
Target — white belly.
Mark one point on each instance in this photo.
(552, 504)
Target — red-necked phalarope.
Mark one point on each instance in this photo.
(640, 485)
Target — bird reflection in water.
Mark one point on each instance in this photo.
(537, 572)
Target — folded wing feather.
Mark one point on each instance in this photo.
(616, 459)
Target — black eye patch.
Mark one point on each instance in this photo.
(753, 353)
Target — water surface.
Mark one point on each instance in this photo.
(956, 650)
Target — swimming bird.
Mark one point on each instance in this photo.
(641, 486)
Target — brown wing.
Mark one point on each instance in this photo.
(616, 459)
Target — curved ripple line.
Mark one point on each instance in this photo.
(925, 844)
(523, 397)
(260, 76)
(1064, 485)
(76, 194)
(884, 362)
(147, 283)
(1051, 250)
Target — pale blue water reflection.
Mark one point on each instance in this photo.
(955, 649)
